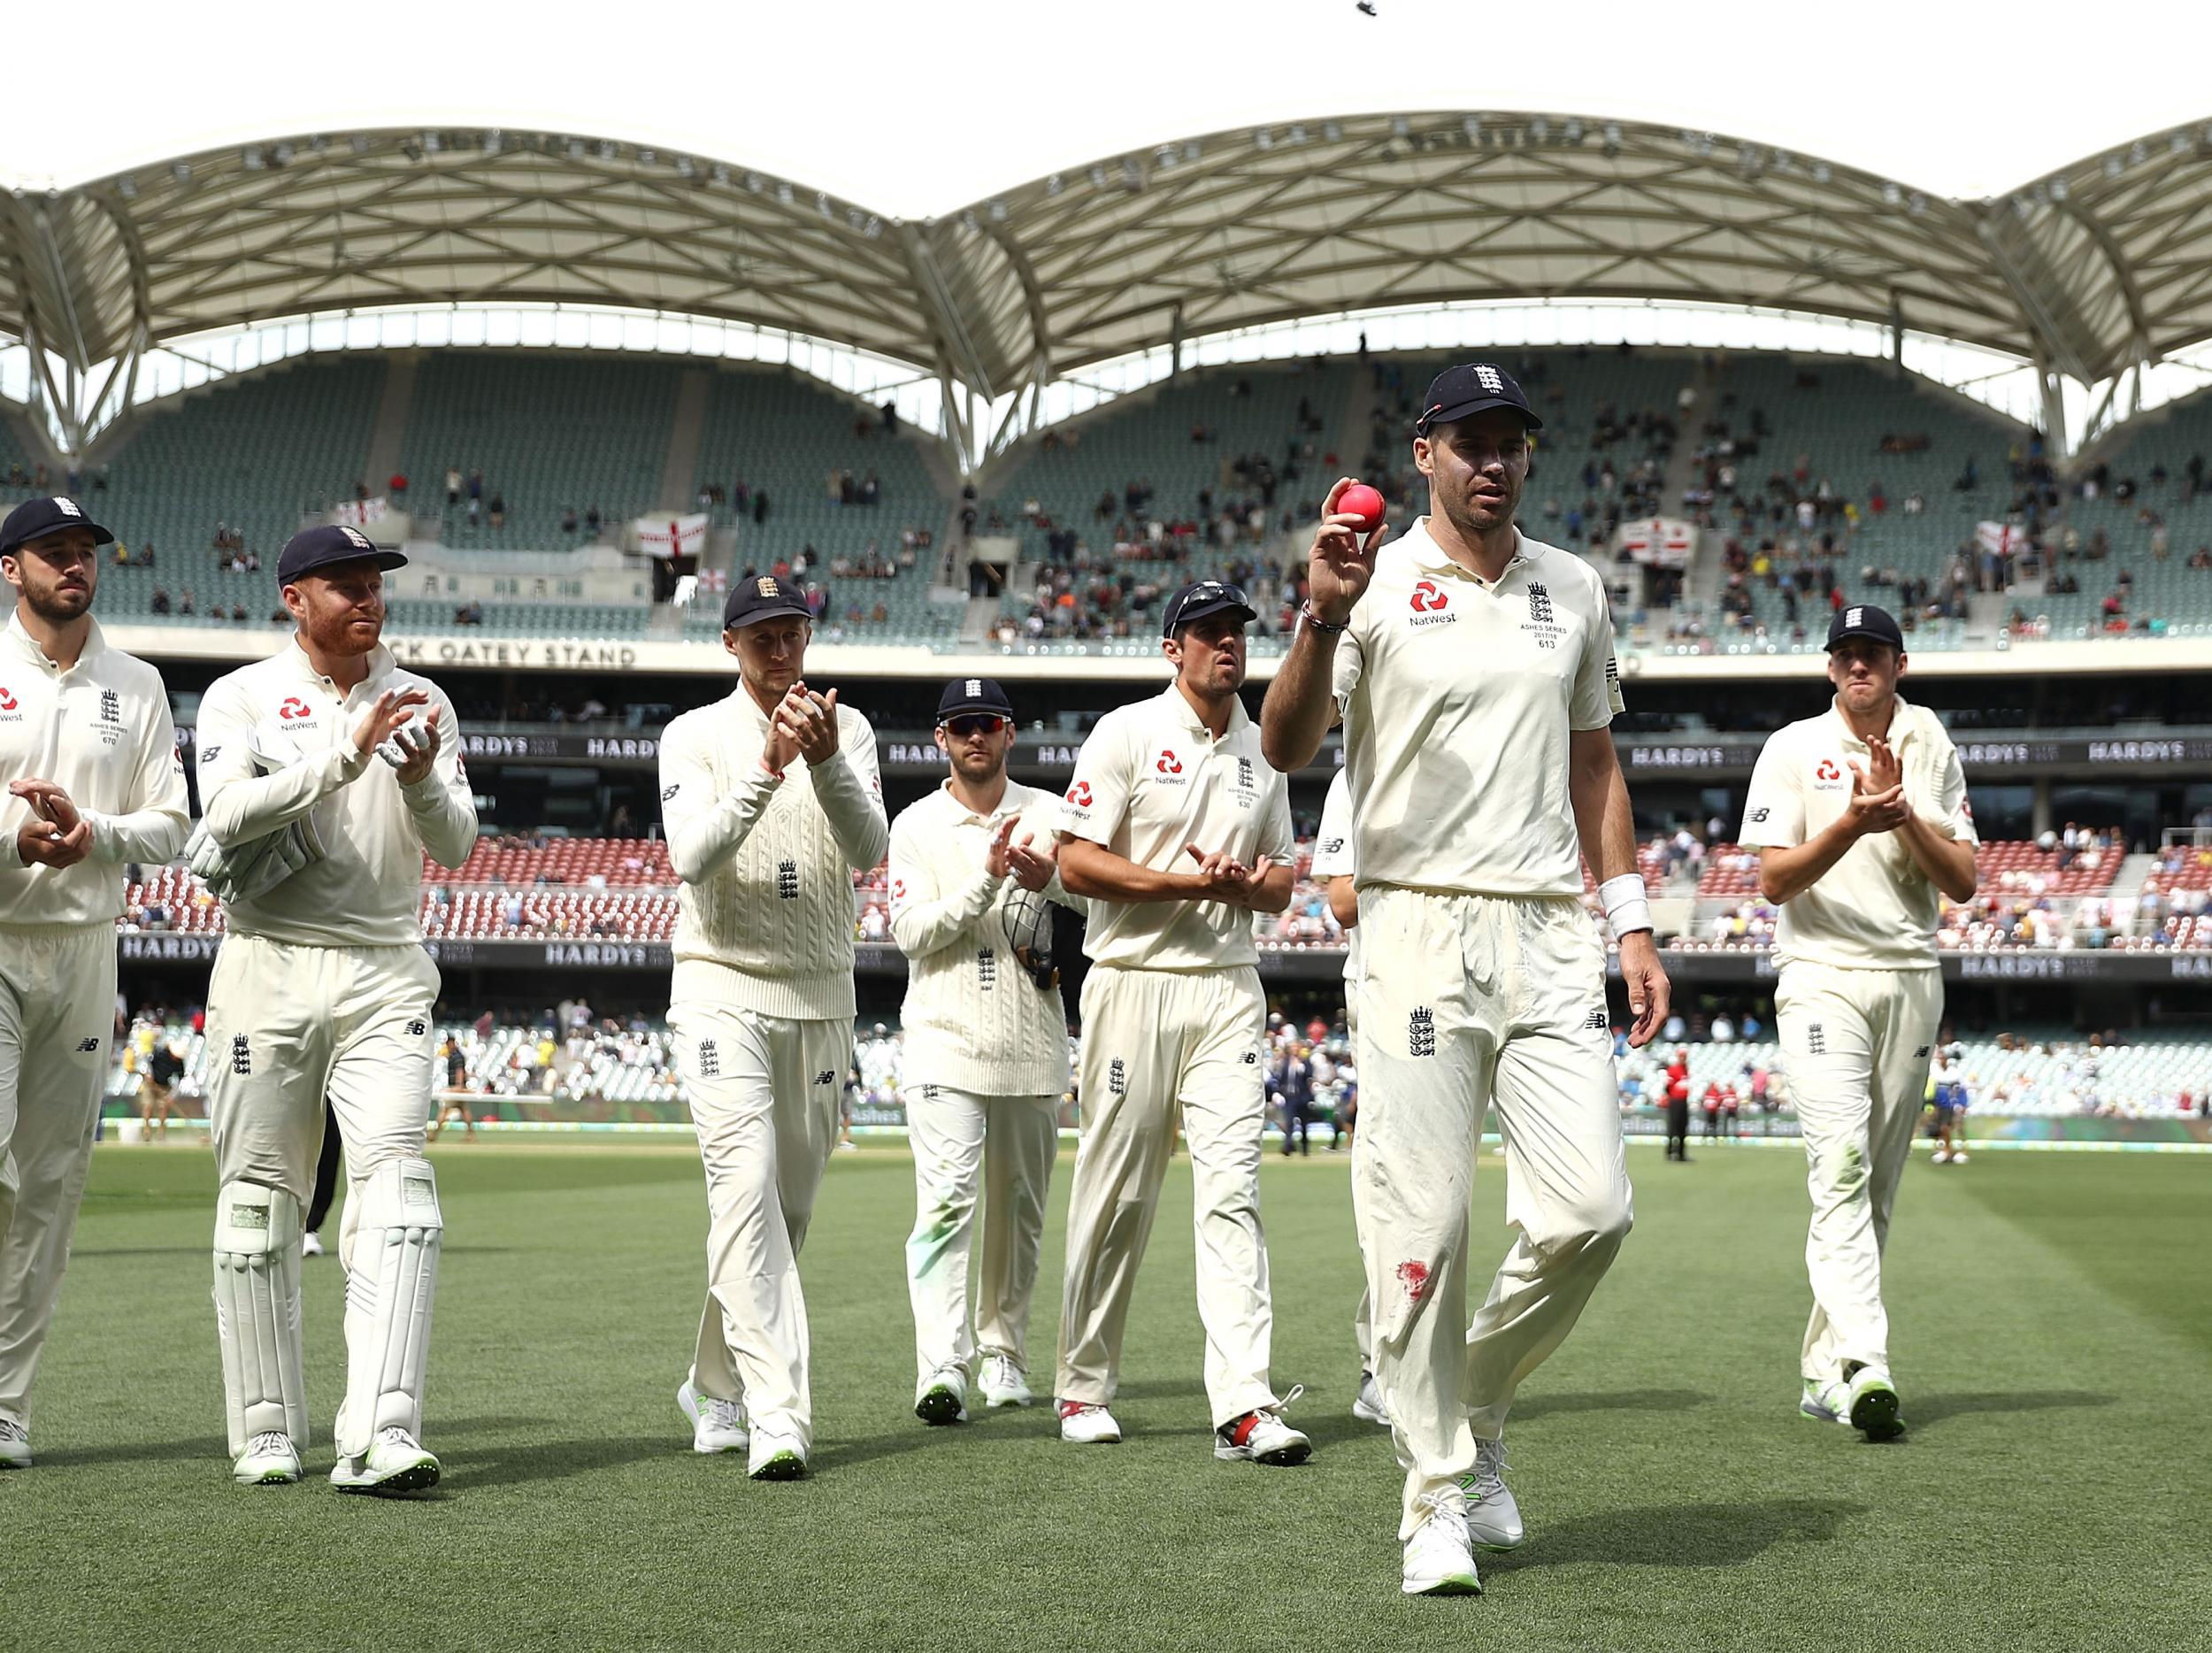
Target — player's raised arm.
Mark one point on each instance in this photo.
(435, 786)
(847, 783)
(1300, 704)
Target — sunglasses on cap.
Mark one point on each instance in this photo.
(973, 723)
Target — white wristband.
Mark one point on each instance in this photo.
(1626, 909)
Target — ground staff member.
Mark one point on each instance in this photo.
(331, 756)
(972, 869)
(1177, 832)
(771, 800)
(1861, 822)
(1473, 668)
(89, 754)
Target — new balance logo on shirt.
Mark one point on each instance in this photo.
(415, 1030)
(88, 1047)
(1421, 1032)
(826, 1077)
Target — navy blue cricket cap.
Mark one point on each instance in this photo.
(973, 694)
(762, 597)
(35, 517)
(311, 550)
(1475, 388)
(1863, 619)
(1201, 598)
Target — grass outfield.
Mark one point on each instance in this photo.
(2053, 1328)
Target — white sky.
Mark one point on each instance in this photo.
(917, 108)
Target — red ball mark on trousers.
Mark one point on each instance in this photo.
(1415, 1277)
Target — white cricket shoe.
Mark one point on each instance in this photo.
(1823, 1403)
(269, 1460)
(394, 1463)
(717, 1426)
(1870, 1403)
(1262, 1436)
(1084, 1423)
(944, 1398)
(776, 1456)
(1368, 1406)
(1942, 1158)
(15, 1445)
(1438, 1561)
(311, 1245)
(1958, 1156)
(1493, 1520)
(1003, 1384)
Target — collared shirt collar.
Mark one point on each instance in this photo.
(1429, 556)
(382, 663)
(95, 642)
(1902, 724)
(1180, 707)
(963, 815)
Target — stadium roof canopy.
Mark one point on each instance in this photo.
(2099, 267)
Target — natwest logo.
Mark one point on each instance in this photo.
(1428, 600)
(1079, 795)
(1827, 771)
(295, 708)
(1169, 763)
(7, 701)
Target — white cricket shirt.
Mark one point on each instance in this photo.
(1457, 697)
(1335, 856)
(1875, 909)
(275, 742)
(1150, 781)
(101, 732)
(974, 1020)
(764, 918)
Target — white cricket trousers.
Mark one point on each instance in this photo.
(1155, 1042)
(1855, 1045)
(57, 1019)
(1467, 1000)
(1001, 1148)
(763, 1094)
(289, 1025)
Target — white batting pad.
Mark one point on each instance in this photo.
(257, 1312)
(388, 1292)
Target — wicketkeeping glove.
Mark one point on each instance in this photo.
(405, 746)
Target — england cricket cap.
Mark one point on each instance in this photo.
(1201, 598)
(311, 550)
(973, 694)
(761, 597)
(36, 517)
(1475, 388)
(1861, 620)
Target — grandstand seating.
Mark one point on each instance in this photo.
(786, 435)
(256, 455)
(2117, 508)
(550, 433)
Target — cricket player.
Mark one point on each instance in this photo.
(89, 754)
(327, 773)
(1949, 1081)
(973, 865)
(1177, 832)
(1335, 860)
(1861, 823)
(771, 800)
(1473, 670)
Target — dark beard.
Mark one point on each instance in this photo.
(54, 609)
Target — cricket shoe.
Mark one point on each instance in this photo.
(269, 1460)
(717, 1426)
(1084, 1423)
(1003, 1385)
(1439, 1560)
(1493, 1520)
(1958, 1156)
(15, 1445)
(1262, 1436)
(394, 1464)
(311, 1245)
(1823, 1402)
(944, 1398)
(1367, 1406)
(1942, 1158)
(1870, 1403)
(776, 1456)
